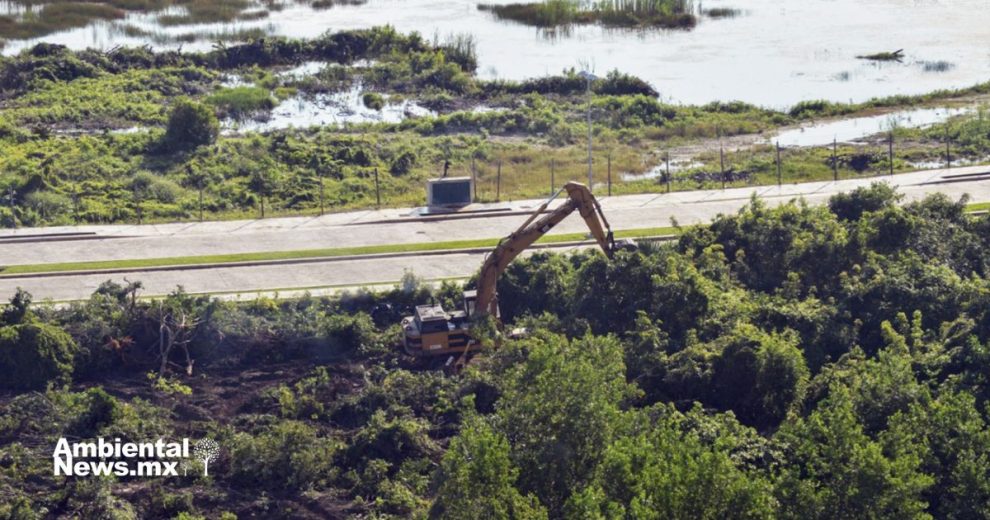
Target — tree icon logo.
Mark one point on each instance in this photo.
(206, 450)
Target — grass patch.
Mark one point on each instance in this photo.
(134, 97)
(309, 253)
(978, 206)
(241, 101)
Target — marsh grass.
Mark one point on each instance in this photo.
(44, 18)
(56, 17)
(549, 13)
(613, 13)
(241, 101)
(897, 55)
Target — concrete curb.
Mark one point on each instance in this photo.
(72, 238)
(452, 216)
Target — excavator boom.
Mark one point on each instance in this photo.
(432, 331)
(580, 198)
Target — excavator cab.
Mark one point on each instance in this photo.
(433, 331)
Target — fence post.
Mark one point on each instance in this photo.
(721, 161)
(553, 182)
(609, 159)
(498, 183)
(779, 176)
(890, 152)
(474, 182)
(378, 191)
(667, 176)
(835, 159)
(948, 158)
(137, 205)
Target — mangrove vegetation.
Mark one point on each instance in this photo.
(787, 362)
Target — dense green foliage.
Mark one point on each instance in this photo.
(786, 362)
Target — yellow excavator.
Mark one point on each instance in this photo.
(432, 331)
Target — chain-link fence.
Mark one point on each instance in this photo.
(730, 162)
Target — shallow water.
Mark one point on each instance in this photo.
(774, 54)
(328, 109)
(846, 130)
(657, 172)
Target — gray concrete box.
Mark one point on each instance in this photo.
(448, 192)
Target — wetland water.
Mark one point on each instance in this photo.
(851, 129)
(775, 53)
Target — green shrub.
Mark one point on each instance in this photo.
(8, 219)
(32, 355)
(352, 333)
(98, 411)
(147, 186)
(403, 163)
(816, 108)
(48, 204)
(477, 479)
(852, 205)
(618, 83)
(760, 376)
(373, 100)
(391, 440)
(19, 508)
(287, 456)
(18, 310)
(190, 125)
(307, 398)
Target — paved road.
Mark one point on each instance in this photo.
(391, 226)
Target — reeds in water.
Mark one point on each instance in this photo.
(620, 13)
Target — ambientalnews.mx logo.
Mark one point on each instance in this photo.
(131, 459)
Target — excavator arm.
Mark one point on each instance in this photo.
(579, 198)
